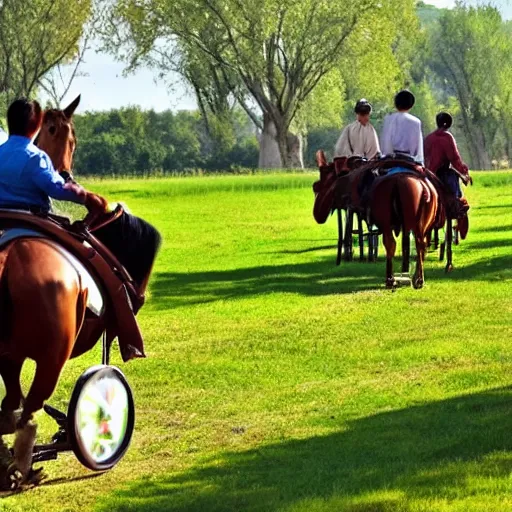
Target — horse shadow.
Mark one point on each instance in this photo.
(493, 269)
(321, 277)
(376, 463)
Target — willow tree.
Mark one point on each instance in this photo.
(470, 55)
(273, 53)
(36, 36)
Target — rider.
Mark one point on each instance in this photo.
(28, 180)
(27, 176)
(401, 138)
(401, 133)
(443, 158)
(359, 138)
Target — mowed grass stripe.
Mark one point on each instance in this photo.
(278, 381)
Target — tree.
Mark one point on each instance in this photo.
(470, 55)
(36, 36)
(274, 51)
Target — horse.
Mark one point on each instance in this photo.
(43, 305)
(408, 203)
(328, 199)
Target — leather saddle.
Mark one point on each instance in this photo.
(78, 238)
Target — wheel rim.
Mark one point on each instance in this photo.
(101, 417)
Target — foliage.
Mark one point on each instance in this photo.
(471, 56)
(131, 141)
(275, 51)
(36, 36)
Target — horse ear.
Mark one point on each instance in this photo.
(70, 109)
(321, 160)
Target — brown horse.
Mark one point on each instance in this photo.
(43, 307)
(407, 203)
(329, 197)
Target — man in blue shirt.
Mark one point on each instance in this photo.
(27, 177)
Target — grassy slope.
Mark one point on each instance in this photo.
(277, 381)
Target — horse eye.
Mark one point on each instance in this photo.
(52, 130)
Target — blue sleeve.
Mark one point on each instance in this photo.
(44, 177)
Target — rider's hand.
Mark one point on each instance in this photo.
(77, 189)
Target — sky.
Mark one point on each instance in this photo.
(104, 87)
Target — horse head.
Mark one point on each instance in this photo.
(57, 136)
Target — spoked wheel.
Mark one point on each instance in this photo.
(101, 417)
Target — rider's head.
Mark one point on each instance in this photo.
(24, 118)
(404, 101)
(444, 120)
(363, 109)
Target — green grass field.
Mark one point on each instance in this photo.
(276, 381)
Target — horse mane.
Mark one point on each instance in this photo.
(134, 242)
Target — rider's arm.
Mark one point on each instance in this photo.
(40, 170)
(419, 149)
(452, 152)
(342, 147)
(372, 148)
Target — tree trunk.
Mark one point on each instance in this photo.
(270, 156)
(273, 146)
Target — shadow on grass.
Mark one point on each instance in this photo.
(174, 289)
(492, 207)
(495, 229)
(322, 277)
(422, 452)
(489, 244)
(489, 269)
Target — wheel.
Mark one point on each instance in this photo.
(101, 417)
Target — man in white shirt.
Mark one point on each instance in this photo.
(401, 132)
(359, 138)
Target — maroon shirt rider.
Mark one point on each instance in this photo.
(442, 155)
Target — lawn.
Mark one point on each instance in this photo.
(276, 381)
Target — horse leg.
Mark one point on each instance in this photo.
(406, 250)
(419, 276)
(44, 291)
(340, 236)
(43, 386)
(390, 245)
(348, 235)
(360, 237)
(436, 238)
(10, 371)
(449, 235)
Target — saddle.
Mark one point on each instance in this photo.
(77, 238)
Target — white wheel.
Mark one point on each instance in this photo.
(101, 417)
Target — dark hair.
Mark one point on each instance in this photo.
(363, 107)
(404, 100)
(444, 120)
(24, 117)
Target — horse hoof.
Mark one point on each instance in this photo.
(13, 478)
(448, 268)
(391, 284)
(418, 283)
